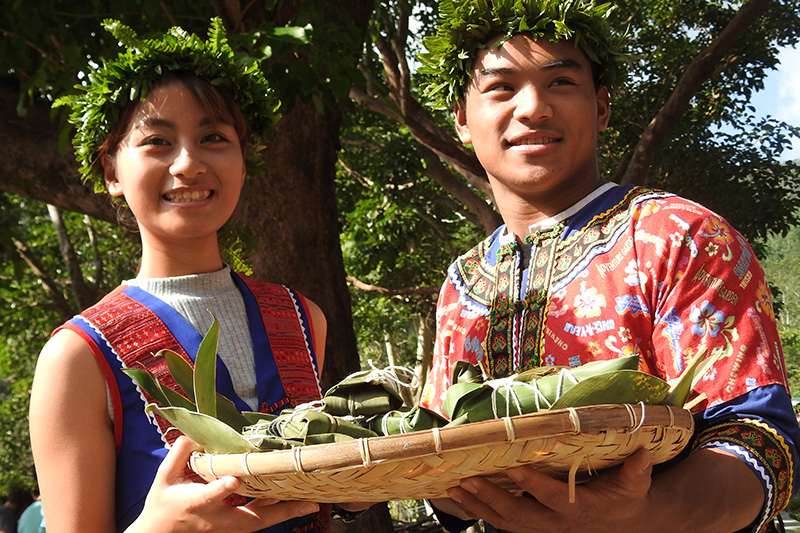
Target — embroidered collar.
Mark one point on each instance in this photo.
(565, 214)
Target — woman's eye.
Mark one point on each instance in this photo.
(215, 138)
(155, 141)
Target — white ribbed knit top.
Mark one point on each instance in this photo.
(193, 297)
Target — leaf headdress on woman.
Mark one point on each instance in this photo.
(466, 26)
(111, 86)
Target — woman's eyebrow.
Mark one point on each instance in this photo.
(155, 122)
(164, 123)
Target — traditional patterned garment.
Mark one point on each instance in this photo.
(631, 271)
(129, 326)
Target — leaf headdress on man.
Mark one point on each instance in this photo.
(467, 26)
(108, 88)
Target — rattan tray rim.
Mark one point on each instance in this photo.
(366, 452)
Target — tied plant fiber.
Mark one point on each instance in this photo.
(369, 403)
(130, 77)
(467, 26)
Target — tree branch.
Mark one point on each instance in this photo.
(96, 255)
(29, 150)
(409, 291)
(392, 98)
(48, 284)
(434, 169)
(698, 71)
(84, 295)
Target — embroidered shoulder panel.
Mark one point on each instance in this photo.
(289, 339)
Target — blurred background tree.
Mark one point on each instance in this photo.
(366, 196)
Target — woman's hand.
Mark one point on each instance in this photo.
(175, 503)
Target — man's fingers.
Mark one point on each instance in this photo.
(551, 493)
(636, 472)
(488, 501)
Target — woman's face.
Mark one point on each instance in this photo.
(180, 170)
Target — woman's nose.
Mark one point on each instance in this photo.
(187, 163)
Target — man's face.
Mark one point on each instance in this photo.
(532, 113)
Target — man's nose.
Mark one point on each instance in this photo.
(532, 104)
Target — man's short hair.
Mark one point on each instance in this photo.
(467, 26)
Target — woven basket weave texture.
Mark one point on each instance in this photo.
(569, 444)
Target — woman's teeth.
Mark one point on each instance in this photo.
(187, 196)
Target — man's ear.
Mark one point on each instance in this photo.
(113, 185)
(603, 108)
(462, 128)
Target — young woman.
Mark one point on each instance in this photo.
(177, 159)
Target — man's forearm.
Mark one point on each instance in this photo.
(710, 490)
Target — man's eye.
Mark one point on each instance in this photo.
(500, 87)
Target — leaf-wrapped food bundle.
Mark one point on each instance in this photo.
(529, 392)
(213, 435)
(405, 421)
(301, 424)
(367, 393)
(619, 387)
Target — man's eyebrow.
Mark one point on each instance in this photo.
(555, 64)
(499, 71)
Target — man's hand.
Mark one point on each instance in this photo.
(613, 501)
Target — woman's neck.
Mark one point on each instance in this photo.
(181, 260)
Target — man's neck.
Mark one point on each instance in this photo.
(523, 217)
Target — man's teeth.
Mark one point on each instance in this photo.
(539, 140)
(187, 196)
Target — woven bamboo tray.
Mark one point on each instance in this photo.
(567, 443)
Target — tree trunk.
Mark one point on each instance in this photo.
(426, 327)
(32, 165)
(291, 209)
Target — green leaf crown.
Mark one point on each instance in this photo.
(466, 26)
(108, 88)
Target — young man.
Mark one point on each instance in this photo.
(584, 270)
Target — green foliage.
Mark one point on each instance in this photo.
(31, 314)
(45, 43)
(399, 231)
(465, 27)
(719, 154)
(781, 263)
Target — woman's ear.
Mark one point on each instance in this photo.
(113, 185)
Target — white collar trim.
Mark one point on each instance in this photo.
(563, 215)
